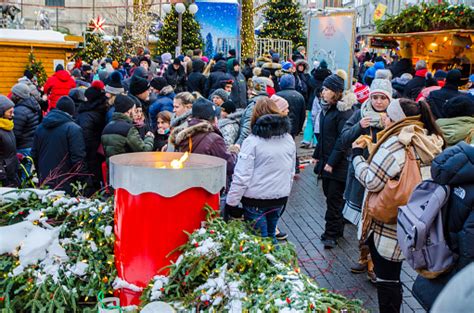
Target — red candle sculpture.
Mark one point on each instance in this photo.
(158, 196)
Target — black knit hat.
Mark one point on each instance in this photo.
(114, 83)
(158, 83)
(92, 93)
(228, 107)
(123, 104)
(66, 104)
(334, 82)
(454, 77)
(59, 67)
(138, 85)
(176, 61)
(204, 109)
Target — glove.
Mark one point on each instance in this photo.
(233, 211)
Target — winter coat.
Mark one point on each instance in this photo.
(196, 79)
(229, 127)
(26, 119)
(275, 71)
(402, 66)
(160, 140)
(120, 136)
(398, 85)
(297, 108)
(238, 95)
(266, 163)
(457, 129)
(369, 74)
(217, 76)
(164, 102)
(315, 82)
(91, 118)
(59, 151)
(414, 86)
(8, 159)
(438, 98)
(57, 86)
(33, 88)
(329, 149)
(245, 130)
(205, 139)
(302, 84)
(176, 78)
(248, 72)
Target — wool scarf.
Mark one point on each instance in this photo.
(6, 124)
(367, 110)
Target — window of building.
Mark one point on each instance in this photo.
(54, 3)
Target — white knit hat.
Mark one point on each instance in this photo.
(381, 86)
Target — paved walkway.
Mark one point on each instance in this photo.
(303, 220)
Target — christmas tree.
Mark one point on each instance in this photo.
(209, 50)
(284, 20)
(36, 67)
(95, 48)
(168, 34)
(117, 50)
(128, 42)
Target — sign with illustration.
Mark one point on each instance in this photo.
(331, 38)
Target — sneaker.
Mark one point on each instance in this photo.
(371, 277)
(329, 243)
(358, 268)
(280, 235)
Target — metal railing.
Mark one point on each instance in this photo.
(281, 46)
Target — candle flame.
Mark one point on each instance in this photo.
(178, 164)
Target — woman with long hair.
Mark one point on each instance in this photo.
(409, 126)
(264, 172)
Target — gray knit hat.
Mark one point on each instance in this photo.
(381, 86)
(21, 90)
(5, 105)
(221, 93)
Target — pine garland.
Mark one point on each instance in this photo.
(428, 17)
(36, 67)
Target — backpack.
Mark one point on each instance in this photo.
(421, 232)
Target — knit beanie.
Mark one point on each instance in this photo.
(76, 73)
(28, 74)
(159, 83)
(454, 77)
(114, 84)
(138, 85)
(140, 72)
(93, 93)
(259, 84)
(280, 102)
(381, 86)
(177, 61)
(334, 83)
(136, 61)
(78, 94)
(286, 66)
(115, 64)
(221, 93)
(323, 65)
(5, 105)
(21, 90)
(123, 104)
(66, 104)
(204, 109)
(228, 107)
(287, 81)
(440, 75)
(459, 106)
(361, 92)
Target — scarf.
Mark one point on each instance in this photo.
(421, 73)
(324, 106)
(6, 124)
(367, 110)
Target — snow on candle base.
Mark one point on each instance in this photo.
(153, 208)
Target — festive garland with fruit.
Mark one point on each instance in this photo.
(428, 17)
(56, 255)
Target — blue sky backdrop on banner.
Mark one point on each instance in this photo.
(221, 19)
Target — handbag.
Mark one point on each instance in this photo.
(383, 205)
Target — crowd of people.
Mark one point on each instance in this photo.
(250, 115)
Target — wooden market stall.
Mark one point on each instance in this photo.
(48, 46)
(441, 49)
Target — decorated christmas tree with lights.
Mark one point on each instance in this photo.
(36, 67)
(168, 34)
(284, 20)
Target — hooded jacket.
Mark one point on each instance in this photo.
(8, 159)
(370, 73)
(163, 102)
(266, 164)
(218, 74)
(413, 87)
(229, 127)
(238, 95)
(438, 98)
(57, 86)
(205, 139)
(26, 119)
(197, 80)
(318, 75)
(59, 150)
(297, 108)
(302, 84)
(176, 78)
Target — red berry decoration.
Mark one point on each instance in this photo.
(183, 283)
(21, 212)
(2, 299)
(162, 289)
(212, 231)
(206, 303)
(241, 248)
(288, 300)
(311, 306)
(187, 273)
(196, 244)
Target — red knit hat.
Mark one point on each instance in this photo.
(362, 92)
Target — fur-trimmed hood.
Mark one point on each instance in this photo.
(271, 66)
(271, 125)
(347, 101)
(183, 133)
(302, 62)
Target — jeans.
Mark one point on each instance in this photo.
(263, 219)
(27, 163)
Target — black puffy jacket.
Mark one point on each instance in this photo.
(438, 98)
(297, 108)
(8, 159)
(59, 151)
(217, 76)
(197, 80)
(26, 119)
(176, 78)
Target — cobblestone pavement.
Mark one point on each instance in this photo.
(303, 220)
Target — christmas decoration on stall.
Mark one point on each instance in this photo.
(248, 33)
(428, 17)
(36, 67)
(168, 34)
(284, 20)
(97, 25)
(226, 268)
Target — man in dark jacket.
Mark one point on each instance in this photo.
(197, 80)
(91, 118)
(238, 95)
(318, 75)
(414, 86)
(8, 159)
(217, 76)
(176, 76)
(438, 98)
(120, 136)
(164, 99)
(295, 101)
(58, 148)
(204, 135)
(26, 119)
